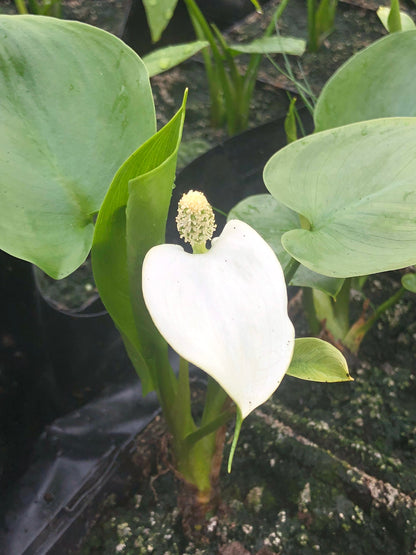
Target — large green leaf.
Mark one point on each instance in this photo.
(379, 81)
(159, 13)
(356, 186)
(132, 219)
(163, 59)
(271, 45)
(318, 361)
(271, 219)
(75, 102)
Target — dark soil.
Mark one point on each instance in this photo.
(326, 468)
(106, 14)
(355, 28)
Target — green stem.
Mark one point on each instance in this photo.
(34, 7)
(342, 304)
(234, 82)
(199, 248)
(335, 313)
(167, 390)
(254, 63)
(216, 72)
(394, 22)
(304, 91)
(355, 335)
(219, 211)
(57, 9)
(184, 422)
(177, 410)
(312, 31)
(310, 313)
(275, 18)
(290, 269)
(214, 401)
(209, 428)
(21, 7)
(196, 450)
(380, 310)
(217, 108)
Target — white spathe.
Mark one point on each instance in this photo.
(225, 311)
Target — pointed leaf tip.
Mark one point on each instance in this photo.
(318, 361)
(237, 430)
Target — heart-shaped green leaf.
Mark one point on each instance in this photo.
(356, 186)
(318, 361)
(132, 219)
(377, 82)
(75, 102)
(163, 59)
(271, 219)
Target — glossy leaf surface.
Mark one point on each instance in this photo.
(356, 187)
(256, 4)
(75, 102)
(318, 361)
(378, 82)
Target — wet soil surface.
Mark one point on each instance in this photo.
(320, 468)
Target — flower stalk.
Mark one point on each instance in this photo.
(225, 310)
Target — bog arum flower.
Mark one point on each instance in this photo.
(224, 310)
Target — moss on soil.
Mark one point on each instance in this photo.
(320, 468)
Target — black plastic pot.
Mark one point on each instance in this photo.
(84, 351)
(22, 368)
(221, 12)
(233, 170)
(52, 363)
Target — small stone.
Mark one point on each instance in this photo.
(254, 498)
(247, 528)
